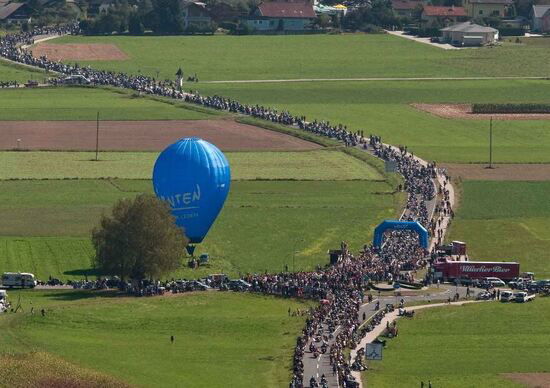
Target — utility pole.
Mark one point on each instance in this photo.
(97, 138)
(491, 142)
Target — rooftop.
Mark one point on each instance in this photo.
(444, 11)
(287, 9)
(405, 4)
(7, 10)
(540, 10)
(469, 28)
(503, 2)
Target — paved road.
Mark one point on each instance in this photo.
(444, 46)
(316, 367)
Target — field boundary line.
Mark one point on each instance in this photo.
(375, 79)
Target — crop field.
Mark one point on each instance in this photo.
(127, 340)
(383, 108)
(306, 165)
(466, 346)
(343, 56)
(75, 103)
(46, 224)
(506, 220)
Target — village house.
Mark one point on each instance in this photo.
(406, 8)
(15, 13)
(488, 8)
(443, 15)
(281, 16)
(540, 19)
(469, 34)
(195, 15)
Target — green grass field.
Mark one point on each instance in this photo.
(46, 225)
(306, 165)
(75, 103)
(506, 220)
(13, 72)
(221, 339)
(343, 56)
(383, 108)
(468, 346)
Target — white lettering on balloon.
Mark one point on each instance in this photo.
(181, 201)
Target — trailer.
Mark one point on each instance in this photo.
(448, 270)
(18, 279)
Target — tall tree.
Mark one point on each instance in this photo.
(138, 240)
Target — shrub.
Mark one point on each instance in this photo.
(510, 108)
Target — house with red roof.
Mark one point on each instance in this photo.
(443, 15)
(281, 16)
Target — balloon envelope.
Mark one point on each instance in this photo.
(193, 176)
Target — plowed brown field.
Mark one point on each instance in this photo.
(228, 135)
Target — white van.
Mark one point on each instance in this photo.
(507, 296)
(18, 279)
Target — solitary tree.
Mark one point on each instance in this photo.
(138, 240)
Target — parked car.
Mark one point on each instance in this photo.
(517, 283)
(522, 297)
(200, 286)
(239, 285)
(76, 79)
(484, 295)
(507, 296)
(495, 282)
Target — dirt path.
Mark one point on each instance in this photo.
(464, 111)
(256, 81)
(500, 172)
(228, 135)
(535, 380)
(389, 318)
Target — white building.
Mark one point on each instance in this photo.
(469, 34)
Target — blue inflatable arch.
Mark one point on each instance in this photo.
(400, 225)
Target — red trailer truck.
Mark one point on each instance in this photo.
(450, 270)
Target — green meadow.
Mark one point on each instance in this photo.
(290, 57)
(77, 103)
(466, 346)
(264, 225)
(221, 339)
(506, 220)
(384, 108)
(306, 165)
(10, 71)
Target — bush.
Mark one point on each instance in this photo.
(429, 32)
(510, 108)
(511, 31)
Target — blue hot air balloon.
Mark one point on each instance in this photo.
(193, 176)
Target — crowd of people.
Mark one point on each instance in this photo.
(341, 288)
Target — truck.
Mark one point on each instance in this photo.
(18, 279)
(448, 270)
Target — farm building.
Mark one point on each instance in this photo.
(443, 15)
(540, 18)
(282, 16)
(469, 34)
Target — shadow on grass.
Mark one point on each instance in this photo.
(91, 272)
(74, 295)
